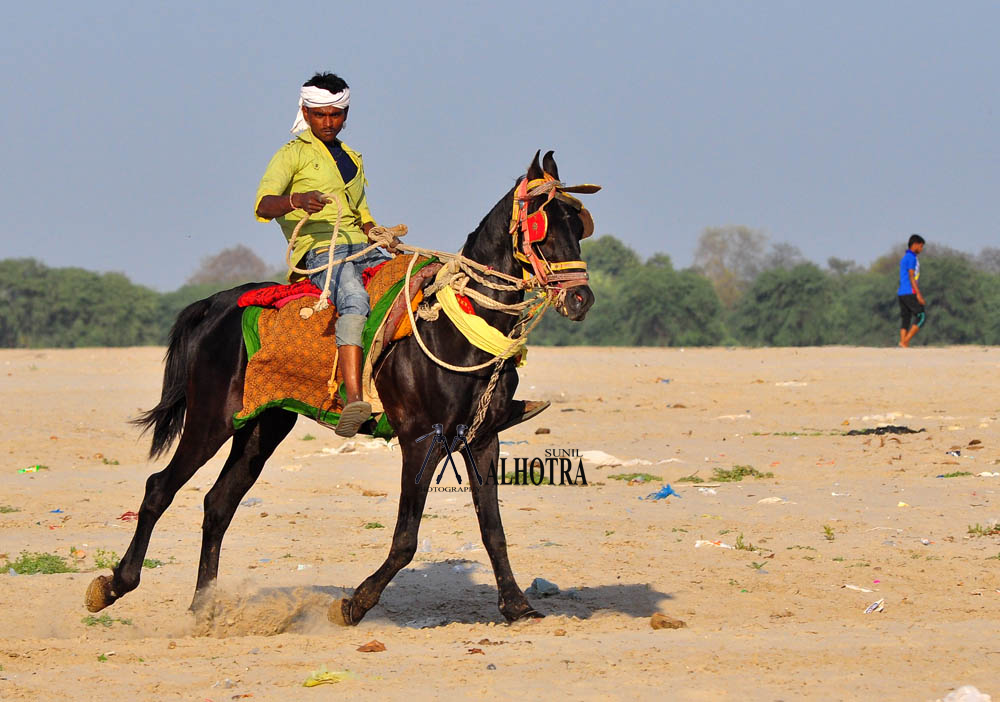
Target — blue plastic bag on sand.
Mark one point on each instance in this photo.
(661, 494)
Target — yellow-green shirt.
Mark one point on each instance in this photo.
(305, 164)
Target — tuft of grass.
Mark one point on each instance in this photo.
(980, 530)
(110, 461)
(105, 620)
(956, 474)
(693, 478)
(839, 559)
(828, 533)
(804, 548)
(151, 563)
(996, 557)
(742, 545)
(647, 477)
(609, 533)
(101, 658)
(106, 559)
(755, 565)
(308, 437)
(40, 563)
(374, 525)
(737, 473)
(7, 509)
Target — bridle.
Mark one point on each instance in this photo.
(526, 230)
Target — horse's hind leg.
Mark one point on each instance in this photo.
(198, 443)
(513, 603)
(252, 446)
(404, 540)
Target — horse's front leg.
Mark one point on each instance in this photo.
(197, 444)
(513, 604)
(413, 496)
(252, 446)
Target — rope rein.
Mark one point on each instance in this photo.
(458, 272)
(461, 270)
(388, 237)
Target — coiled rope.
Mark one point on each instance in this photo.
(460, 270)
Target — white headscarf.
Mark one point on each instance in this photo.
(311, 96)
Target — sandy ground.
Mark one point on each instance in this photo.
(770, 624)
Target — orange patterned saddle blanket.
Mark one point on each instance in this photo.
(292, 350)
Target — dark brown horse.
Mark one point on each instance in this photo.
(203, 388)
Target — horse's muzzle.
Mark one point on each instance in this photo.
(578, 300)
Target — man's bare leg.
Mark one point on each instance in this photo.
(905, 343)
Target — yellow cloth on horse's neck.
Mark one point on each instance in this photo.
(477, 330)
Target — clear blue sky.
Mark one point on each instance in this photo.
(135, 134)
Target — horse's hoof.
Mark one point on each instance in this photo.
(340, 612)
(530, 614)
(99, 594)
(202, 601)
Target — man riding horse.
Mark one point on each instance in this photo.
(523, 257)
(310, 174)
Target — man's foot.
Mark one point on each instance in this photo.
(354, 415)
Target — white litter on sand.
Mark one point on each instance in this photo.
(600, 459)
(357, 445)
(966, 693)
(887, 417)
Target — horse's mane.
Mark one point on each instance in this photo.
(487, 241)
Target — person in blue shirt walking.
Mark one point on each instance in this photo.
(911, 301)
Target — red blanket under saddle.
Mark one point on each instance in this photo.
(278, 296)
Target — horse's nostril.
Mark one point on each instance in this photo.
(578, 296)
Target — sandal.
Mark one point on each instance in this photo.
(354, 415)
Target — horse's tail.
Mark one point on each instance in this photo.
(167, 418)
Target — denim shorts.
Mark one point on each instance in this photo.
(347, 293)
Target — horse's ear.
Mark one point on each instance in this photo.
(535, 170)
(549, 165)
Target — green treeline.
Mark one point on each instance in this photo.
(70, 307)
(774, 298)
(738, 292)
